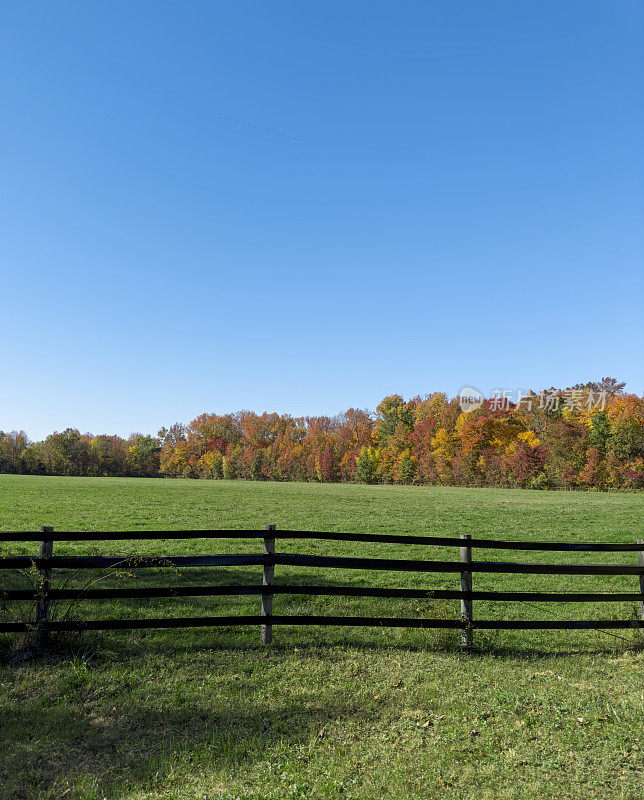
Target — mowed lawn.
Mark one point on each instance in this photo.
(326, 712)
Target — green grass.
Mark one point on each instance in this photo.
(327, 713)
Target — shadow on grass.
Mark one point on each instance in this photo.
(112, 727)
(64, 747)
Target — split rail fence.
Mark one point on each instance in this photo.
(45, 563)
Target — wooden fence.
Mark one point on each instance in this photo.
(46, 562)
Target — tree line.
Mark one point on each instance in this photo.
(587, 436)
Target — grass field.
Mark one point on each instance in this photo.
(327, 713)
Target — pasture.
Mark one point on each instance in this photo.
(327, 712)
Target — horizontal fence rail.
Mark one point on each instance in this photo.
(334, 536)
(45, 563)
(295, 560)
(277, 619)
(148, 592)
(130, 562)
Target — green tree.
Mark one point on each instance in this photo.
(392, 413)
(406, 469)
(143, 456)
(600, 430)
(367, 465)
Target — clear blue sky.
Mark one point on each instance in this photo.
(303, 207)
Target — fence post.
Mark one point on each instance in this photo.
(269, 576)
(466, 586)
(42, 602)
(640, 559)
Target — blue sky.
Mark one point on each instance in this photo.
(303, 207)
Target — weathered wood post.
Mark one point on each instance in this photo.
(640, 560)
(466, 586)
(45, 550)
(269, 576)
